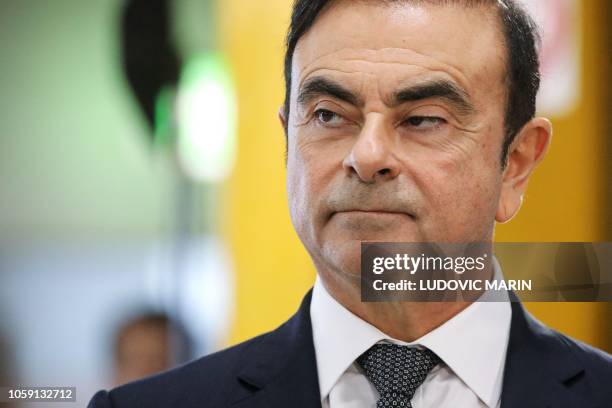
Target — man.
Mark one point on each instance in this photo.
(406, 121)
(148, 343)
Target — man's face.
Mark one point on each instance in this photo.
(396, 128)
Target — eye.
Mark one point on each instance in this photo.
(424, 122)
(327, 117)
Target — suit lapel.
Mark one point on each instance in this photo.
(281, 369)
(540, 368)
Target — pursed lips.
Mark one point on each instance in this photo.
(372, 212)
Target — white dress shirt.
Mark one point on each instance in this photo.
(472, 346)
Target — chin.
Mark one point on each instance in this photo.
(339, 249)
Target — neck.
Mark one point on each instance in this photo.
(405, 321)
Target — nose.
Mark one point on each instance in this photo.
(372, 157)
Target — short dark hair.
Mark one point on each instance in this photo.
(521, 41)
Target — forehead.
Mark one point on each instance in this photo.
(393, 41)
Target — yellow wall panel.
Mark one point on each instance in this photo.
(273, 270)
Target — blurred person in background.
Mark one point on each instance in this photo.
(147, 344)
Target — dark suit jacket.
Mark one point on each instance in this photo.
(278, 369)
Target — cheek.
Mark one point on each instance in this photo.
(460, 193)
(312, 164)
(303, 185)
(297, 190)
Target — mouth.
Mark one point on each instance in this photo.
(371, 213)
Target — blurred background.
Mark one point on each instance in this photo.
(143, 217)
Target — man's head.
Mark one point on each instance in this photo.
(147, 344)
(407, 121)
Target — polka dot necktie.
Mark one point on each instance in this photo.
(396, 371)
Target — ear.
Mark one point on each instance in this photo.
(282, 118)
(525, 153)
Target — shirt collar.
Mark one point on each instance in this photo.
(472, 343)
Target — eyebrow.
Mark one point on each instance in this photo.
(319, 86)
(438, 88)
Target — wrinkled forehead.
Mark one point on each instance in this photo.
(391, 40)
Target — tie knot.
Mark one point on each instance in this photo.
(397, 371)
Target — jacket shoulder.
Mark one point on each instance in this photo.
(597, 363)
(556, 344)
(594, 360)
(591, 382)
(207, 381)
